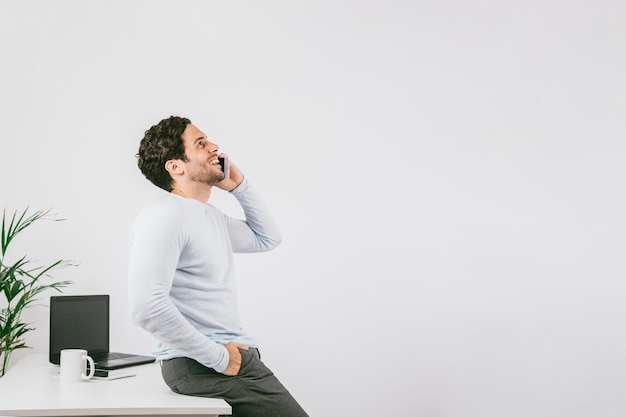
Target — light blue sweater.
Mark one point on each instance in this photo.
(181, 275)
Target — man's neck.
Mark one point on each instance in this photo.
(200, 193)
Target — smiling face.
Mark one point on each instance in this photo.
(202, 164)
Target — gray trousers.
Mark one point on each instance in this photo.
(255, 392)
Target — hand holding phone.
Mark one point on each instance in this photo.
(232, 174)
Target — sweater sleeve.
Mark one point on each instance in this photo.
(258, 232)
(156, 242)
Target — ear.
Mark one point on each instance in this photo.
(174, 166)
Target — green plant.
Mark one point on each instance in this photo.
(20, 282)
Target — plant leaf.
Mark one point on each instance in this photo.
(20, 283)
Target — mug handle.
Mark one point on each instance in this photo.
(92, 367)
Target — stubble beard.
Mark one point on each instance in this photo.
(205, 177)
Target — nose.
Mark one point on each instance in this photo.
(213, 147)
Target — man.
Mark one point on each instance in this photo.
(182, 281)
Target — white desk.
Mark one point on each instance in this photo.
(32, 388)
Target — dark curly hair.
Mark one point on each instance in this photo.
(161, 143)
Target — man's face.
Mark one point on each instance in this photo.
(202, 164)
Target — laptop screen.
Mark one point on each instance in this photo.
(79, 322)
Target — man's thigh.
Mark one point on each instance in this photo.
(255, 391)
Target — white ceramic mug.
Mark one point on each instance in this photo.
(74, 365)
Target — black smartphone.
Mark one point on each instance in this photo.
(225, 163)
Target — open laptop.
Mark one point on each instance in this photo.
(82, 322)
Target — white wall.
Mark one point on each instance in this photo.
(449, 177)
